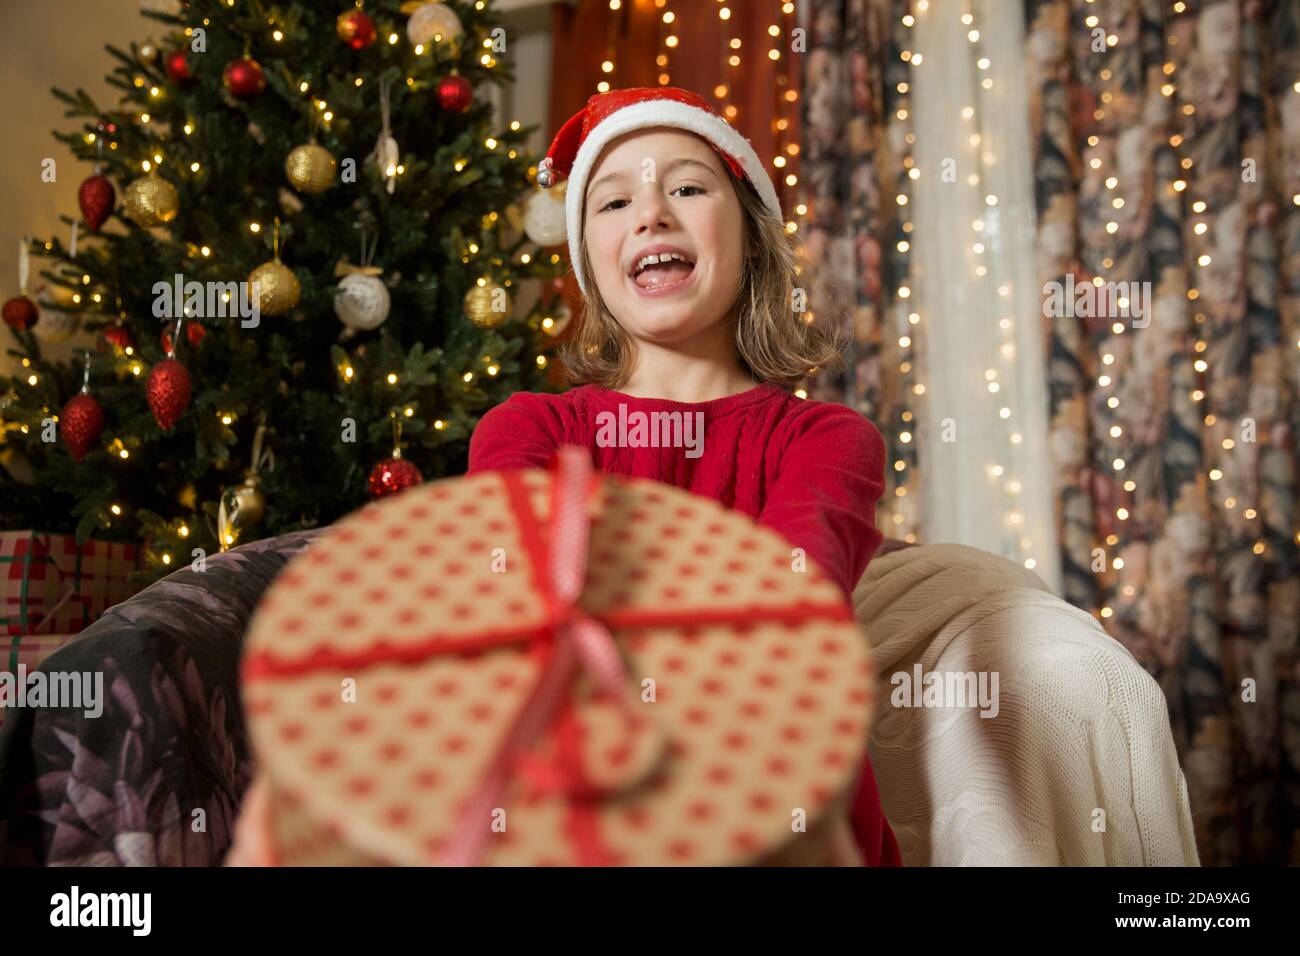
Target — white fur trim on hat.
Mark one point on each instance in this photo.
(669, 113)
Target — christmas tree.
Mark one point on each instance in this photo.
(299, 255)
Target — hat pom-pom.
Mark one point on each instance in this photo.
(546, 173)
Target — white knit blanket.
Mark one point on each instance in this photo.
(1077, 767)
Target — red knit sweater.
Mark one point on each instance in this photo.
(812, 471)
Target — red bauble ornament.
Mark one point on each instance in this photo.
(178, 68)
(356, 29)
(455, 93)
(194, 334)
(168, 392)
(20, 313)
(81, 421)
(393, 476)
(119, 336)
(96, 197)
(244, 78)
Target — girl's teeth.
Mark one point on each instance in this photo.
(663, 273)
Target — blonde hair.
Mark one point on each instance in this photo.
(773, 342)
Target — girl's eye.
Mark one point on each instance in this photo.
(610, 204)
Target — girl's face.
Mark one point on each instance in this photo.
(656, 188)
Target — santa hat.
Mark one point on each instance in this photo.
(609, 115)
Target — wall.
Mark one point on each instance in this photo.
(50, 43)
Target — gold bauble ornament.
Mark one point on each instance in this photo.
(249, 501)
(310, 168)
(151, 201)
(487, 305)
(241, 509)
(277, 287)
(148, 51)
(243, 506)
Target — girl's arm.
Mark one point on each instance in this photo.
(824, 498)
(521, 432)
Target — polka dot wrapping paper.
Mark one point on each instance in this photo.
(553, 667)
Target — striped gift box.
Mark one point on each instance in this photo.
(52, 585)
(31, 650)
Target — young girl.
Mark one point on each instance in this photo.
(679, 247)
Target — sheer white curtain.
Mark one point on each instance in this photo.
(983, 421)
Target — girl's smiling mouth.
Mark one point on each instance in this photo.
(662, 271)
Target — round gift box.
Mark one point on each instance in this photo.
(387, 663)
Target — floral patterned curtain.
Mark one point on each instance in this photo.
(1167, 152)
(854, 244)
(1166, 166)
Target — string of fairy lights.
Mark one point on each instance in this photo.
(912, 319)
(1104, 381)
(787, 99)
(1201, 239)
(907, 317)
(1000, 469)
(1097, 158)
(722, 92)
(1199, 242)
(787, 150)
(668, 42)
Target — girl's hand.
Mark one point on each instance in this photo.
(843, 848)
(252, 845)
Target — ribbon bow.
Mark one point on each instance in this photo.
(580, 640)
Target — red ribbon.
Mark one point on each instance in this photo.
(569, 639)
(580, 640)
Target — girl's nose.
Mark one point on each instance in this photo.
(653, 210)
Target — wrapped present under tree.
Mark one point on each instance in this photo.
(28, 651)
(52, 585)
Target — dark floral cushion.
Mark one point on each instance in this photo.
(156, 779)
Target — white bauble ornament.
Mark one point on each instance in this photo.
(544, 217)
(362, 302)
(433, 20)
